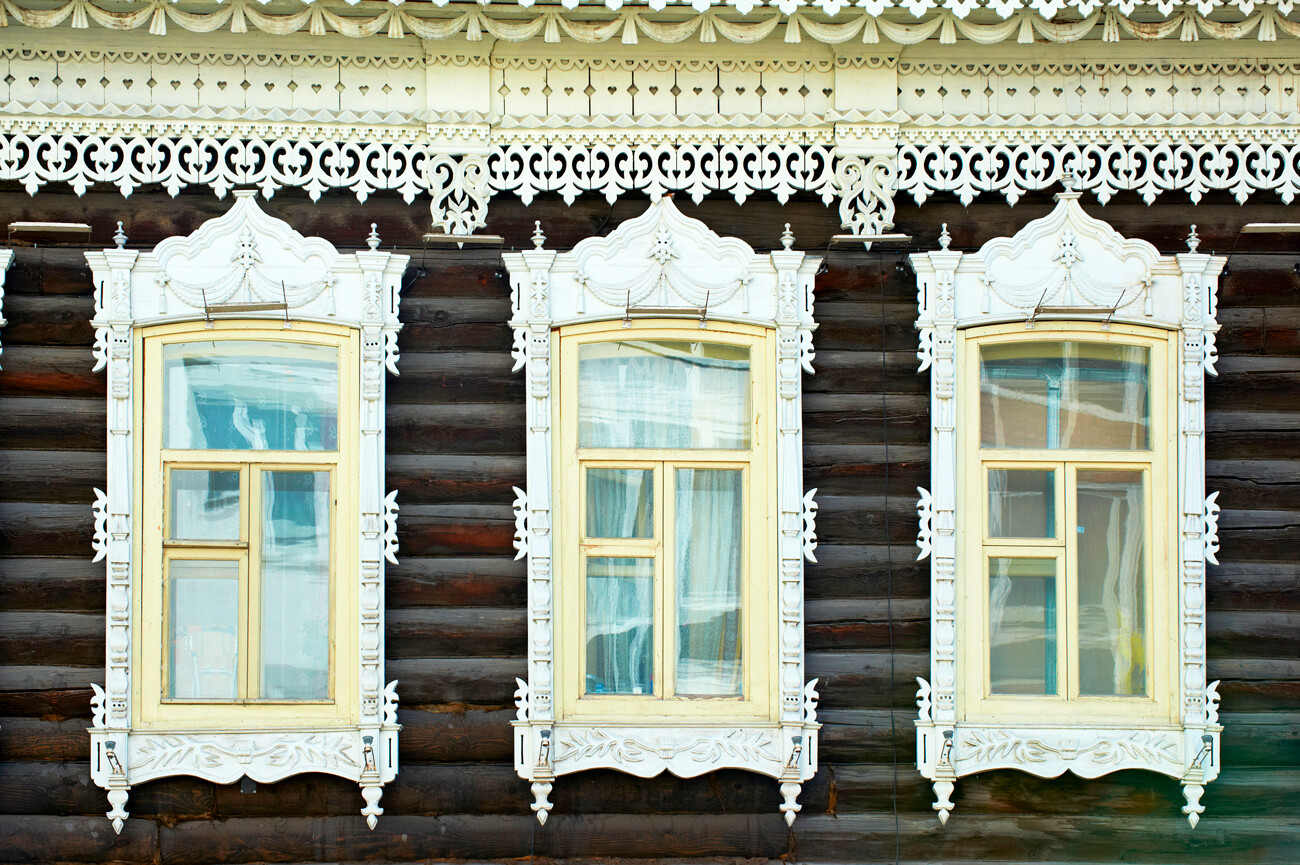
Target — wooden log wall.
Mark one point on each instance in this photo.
(456, 624)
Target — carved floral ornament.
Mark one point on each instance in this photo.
(744, 21)
(665, 260)
(1067, 266)
(244, 258)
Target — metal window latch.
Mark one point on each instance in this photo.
(700, 312)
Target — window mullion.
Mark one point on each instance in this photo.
(665, 584)
(250, 667)
(1070, 583)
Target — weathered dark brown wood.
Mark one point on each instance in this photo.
(456, 634)
(57, 423)
(456, 428)
(48, 320)
(51, 584)
(449, 631)
(497, 581)
(69, 639)
(51, 838)
(51, 476)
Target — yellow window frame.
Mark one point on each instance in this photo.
(1159, 464)
(759, 699)
(152, 549)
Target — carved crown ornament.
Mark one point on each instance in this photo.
(663, 263)
(1067, 266)
(240, 266)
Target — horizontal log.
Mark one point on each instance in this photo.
(861, 470)
(48, 320)
(66, 789)
(498, 581)
(67, 477)
(401, 838)
(1269, 633)
(866, 372)
(457, 323)
(31, 371)
(867, 571)
(858, 419)
(446, 478)
(49, 838)
(866, 519)
(1258, 279)
(456, 631)
(1258, 535)
(1238, 585)
(454, 734)
(68, 639)
(50, 692)
(64, 424)
(71, 584)
(1148, 838)
(454, 428)
(454, 530)
(857, 326)
(54, 271)
(41, 529)
(456, 377)
(46, 739)
(457, 682)
(870, 625)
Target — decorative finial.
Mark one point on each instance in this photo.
(1069, 180)
(944, 237)
(787, 237)
(119, 236)
(539, 239)
(373, 240)
(1193, 240)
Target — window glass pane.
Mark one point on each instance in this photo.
(620, 616)
(1112, 583)
(710, 529)
(663, 394)
(1022, 626)
(620, 503)
(204, 505)
(295, 585)
(1022, 503)
(203, 629)
(1082, 395)
(233, 395)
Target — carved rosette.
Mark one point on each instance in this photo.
(244, 256)
(663, 257)
(1086, 271)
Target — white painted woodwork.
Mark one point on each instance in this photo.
(245, 256)
(663, 259)
(1067, 259)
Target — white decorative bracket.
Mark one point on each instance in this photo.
(459, 190)
(249, 258)
(662, 258)
(1083, 270)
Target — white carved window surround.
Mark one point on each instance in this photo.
(662, 281)
(1016, 524)
(230, 516)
